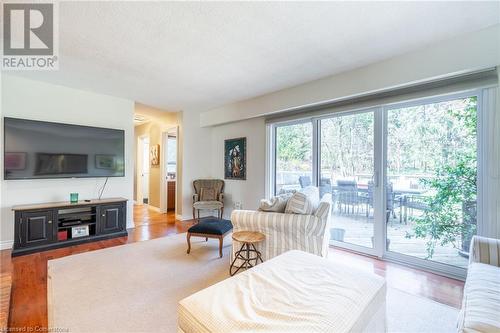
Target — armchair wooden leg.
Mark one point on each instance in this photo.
(222, 212)
(221, 241)
(189, 242)
(194, 213)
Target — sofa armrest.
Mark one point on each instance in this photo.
(195, 198)
(485, 250)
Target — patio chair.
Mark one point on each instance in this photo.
(304, 181)
(393, 202)
(347, 196)
(325, 186)
(414, 202)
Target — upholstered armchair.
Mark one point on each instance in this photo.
(285, 232)
(208, 195)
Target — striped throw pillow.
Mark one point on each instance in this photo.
(304, 202)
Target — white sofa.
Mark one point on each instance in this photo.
(285, 232)
(481, 302)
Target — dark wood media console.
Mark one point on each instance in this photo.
(58, 224)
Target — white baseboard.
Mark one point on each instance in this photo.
(156, 209)
(184, 217)
(6, 245)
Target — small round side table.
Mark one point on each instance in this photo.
(248, 239)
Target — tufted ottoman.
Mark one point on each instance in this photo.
(210, 227)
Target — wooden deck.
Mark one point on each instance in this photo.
(359, 230)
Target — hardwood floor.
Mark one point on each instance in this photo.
(28, 306)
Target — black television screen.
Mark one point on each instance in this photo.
(38, 149)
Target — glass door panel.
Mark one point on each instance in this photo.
(431, 180)
(346, 170)
(294, 166)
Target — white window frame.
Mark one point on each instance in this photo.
(380, 170)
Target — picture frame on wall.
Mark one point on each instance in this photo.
(105, 161)
(154, 155)
(15, 161)
(235, 160)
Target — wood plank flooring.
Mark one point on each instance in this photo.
(28, 305)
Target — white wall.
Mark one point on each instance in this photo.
(22, 98)
(472, 51)
(461, 54)
(196, 157)
(248, 192)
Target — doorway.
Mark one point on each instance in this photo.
(145, 169)
(168, 193)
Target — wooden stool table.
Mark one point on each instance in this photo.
(248, 239)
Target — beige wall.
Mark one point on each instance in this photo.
(467, 52)
(159, 121)
(205, 130)
(246, 192)
(23, 98)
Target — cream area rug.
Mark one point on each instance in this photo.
(136, 288)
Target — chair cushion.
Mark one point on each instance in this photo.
(304, 202)
(211, 226)
(208, 194)
(208, 205)
(481, 303)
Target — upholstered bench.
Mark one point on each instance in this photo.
(293, 292)
(210, 227)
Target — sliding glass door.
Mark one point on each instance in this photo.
(431, 179)
(402, 177)
(346, 170)
(293, 157)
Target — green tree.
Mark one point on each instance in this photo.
(451, 214)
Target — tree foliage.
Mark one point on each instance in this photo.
(451, 216)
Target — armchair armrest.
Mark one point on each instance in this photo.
(268, 222)
(485, 250)
(195, 198)
(325, 208)
(221, 197)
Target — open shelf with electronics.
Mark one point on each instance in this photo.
(51, 225)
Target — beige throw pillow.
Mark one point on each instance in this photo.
(304, 202)
(276, 204)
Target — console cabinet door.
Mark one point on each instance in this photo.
(112, 219)
(36, 228)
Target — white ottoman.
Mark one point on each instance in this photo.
(294, 292)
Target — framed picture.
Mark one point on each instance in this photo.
(235, 159)
(105, 162)
(15, 161)
(154, 154)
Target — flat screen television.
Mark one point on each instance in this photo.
(39, 149)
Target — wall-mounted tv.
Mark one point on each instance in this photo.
(38, 149)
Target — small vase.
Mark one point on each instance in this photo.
(73, 197)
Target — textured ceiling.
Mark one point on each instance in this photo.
(180, 55)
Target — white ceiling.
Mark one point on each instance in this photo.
(181, 55)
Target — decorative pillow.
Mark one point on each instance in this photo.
(304, 202)
(275, 204)
(208, 194)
